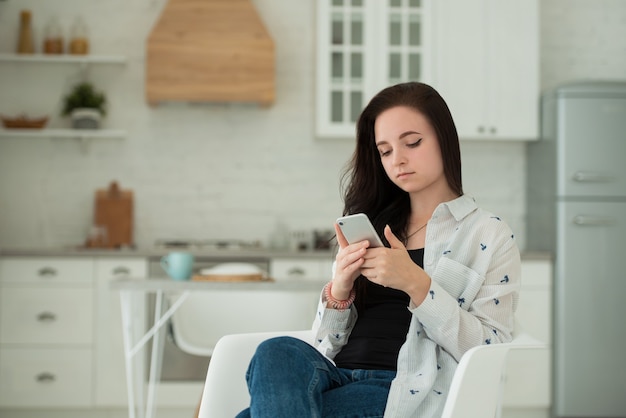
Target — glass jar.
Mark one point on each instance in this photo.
(79, 42)
(53, 38)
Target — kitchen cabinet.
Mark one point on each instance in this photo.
(487, 68)
(482, 56)
(534, 312)
(362, 47)
(46, 332)
(61, 331)
(83, 61)
(110, 366)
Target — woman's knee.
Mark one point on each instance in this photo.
(276, 356)
(281, 346)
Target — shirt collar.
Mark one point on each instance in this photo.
(460, 207)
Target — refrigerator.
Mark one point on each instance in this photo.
(576, 196)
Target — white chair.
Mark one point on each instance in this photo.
(476, 389)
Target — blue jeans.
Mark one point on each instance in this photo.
(289, 378)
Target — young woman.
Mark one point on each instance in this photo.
(394, 321)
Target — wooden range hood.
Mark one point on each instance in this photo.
(210, 51)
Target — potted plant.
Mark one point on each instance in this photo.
(85, 106)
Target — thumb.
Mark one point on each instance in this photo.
(394, 242)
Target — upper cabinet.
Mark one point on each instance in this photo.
(482, 56)
(362, 47)
(487, 66)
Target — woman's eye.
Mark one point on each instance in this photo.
(414, 144)
(384, 153)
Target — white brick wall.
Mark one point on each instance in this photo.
(231, 171)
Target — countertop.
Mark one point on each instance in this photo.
(221, 254)
(218, 254)
(152, 285)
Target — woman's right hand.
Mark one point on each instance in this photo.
(348, 264)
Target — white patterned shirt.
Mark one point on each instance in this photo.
(474, 263)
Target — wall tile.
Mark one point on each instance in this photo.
(228, 170)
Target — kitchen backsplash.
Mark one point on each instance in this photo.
(232, 171)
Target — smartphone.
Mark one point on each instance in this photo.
(357, 228)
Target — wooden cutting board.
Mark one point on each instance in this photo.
(114, 211)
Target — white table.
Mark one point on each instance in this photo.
(133, 294)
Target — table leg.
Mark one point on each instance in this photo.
(128, 334)
(156, 358)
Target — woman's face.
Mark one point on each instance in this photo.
(409, 150)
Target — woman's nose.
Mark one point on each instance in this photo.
(399, 158)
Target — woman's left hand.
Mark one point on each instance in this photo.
(393, 267)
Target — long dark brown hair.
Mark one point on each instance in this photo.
(367, 188)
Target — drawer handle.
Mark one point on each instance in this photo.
(296, 271)
(46, 317)
(45, 377)
(121, 271)
(47, 272)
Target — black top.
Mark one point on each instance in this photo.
(381, 327)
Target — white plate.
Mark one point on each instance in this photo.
(235, 269)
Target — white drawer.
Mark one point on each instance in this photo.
(116, 268)
(46, 270)
(45, 378)
(301, 269)
(46, 316)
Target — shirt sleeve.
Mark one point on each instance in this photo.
(464, 308)
(332, 328)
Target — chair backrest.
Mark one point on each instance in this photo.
(477, 387)
(225, 392)
(197, 325)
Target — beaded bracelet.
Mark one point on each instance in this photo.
(340, 305)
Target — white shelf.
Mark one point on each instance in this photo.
(63, 133)
(65, 58)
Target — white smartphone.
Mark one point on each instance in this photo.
(357, 228)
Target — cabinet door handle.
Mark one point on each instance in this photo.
(46, 317)
(121, 271)
(296, 271)
(45, 377)
(47, 272)
(587, 220)
(493, 130)
(481, 129)
(592, 177)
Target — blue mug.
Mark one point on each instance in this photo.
(178, 265)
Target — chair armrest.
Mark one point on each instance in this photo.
(225, 392)
(476, 388)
